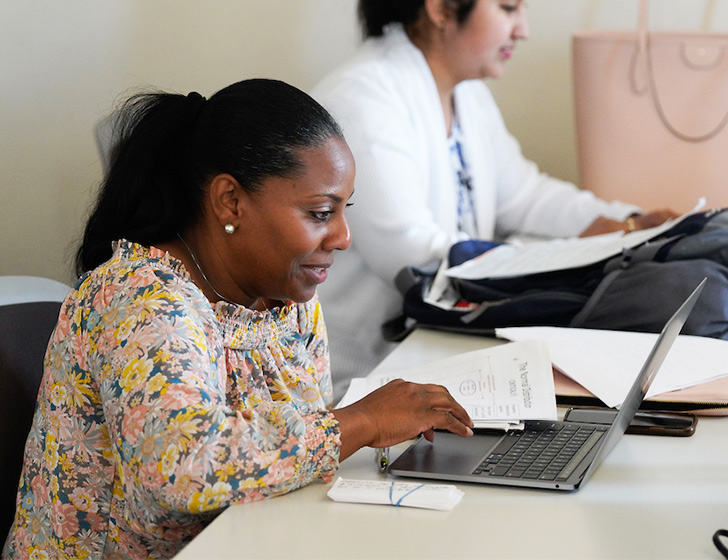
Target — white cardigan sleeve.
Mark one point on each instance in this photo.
(526, 200)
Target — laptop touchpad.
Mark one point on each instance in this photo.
(448, 454)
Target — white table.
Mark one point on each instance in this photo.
(653, 497)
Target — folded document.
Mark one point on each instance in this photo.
(389, 492)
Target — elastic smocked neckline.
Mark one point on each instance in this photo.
(241, 327)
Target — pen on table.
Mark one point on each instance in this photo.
(382, 458)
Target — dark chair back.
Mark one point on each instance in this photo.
(25, 329)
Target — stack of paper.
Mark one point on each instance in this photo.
(510, 260)
(410, 494)
(606, 362)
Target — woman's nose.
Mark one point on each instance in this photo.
(339, 237)
(521, 30)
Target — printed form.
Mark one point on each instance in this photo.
(498, 386)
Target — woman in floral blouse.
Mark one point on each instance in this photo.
(189, 369)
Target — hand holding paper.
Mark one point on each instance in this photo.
(503, 384)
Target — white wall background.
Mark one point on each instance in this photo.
(65, 63)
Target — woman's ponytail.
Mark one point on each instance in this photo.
(147, 193)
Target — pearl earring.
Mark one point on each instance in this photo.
(229, 229)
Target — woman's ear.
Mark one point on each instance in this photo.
(439, 12)
(225, 194)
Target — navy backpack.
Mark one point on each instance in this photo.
(634, 291)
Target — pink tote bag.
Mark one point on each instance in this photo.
(652, 115)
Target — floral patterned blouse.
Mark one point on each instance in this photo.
(158, 409)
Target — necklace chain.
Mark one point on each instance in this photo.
(202, 272)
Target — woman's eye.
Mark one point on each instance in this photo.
(322, 216)
(325, 215)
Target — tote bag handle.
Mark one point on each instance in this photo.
(643, 60)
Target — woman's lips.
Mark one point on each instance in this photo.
(317, 273)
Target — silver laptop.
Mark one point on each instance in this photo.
(546, 453)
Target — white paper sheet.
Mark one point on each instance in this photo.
(507, 261)
(607, 362)
(510, 383)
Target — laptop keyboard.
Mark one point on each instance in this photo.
(547, 454)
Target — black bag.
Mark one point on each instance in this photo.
(637, 290)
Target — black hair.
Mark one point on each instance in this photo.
(169, 146)
(375, 15)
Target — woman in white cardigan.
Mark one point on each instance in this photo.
(435, 163)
